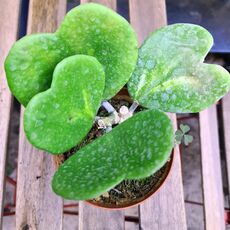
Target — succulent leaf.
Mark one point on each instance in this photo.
(57, 119)
(89, 29)
(95, 30)
(135, 149)
(170, 74)
(30, 64)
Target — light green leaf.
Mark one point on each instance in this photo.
(184, 128)
(170, 74)
(59, 118)
(95, 30)
(133, 150)
(188, 139)
(30, 64)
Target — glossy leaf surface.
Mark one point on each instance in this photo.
(95, 30)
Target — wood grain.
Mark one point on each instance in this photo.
(37, 206)
(8, 35)
(166, 209)
(147, 16)
(211, 170)
(109, 3)
(91, 218)
(226, 118)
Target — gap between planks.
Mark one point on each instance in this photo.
(8, 35)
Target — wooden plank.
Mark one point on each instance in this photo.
(109, 3)
(226, 119)
(166, 209)
(91, 218)
(8, 34)
(37, 206)
(211, 170)
(147, 16)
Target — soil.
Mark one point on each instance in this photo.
(128, 192)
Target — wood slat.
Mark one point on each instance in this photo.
(211, 170)
(91, 218)
(166, 209)
(37, 206)
(226, 119)
(147, 16)
(109, 3)
(8, 34)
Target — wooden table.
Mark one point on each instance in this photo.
(37, 207)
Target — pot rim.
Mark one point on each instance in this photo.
(150, 194)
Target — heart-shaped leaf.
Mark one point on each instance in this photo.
(135, 149)
(58, 119)
(95, 30)
(188, 139)
(178, 136)
(30, 64)
(89, 29)
(170, 74)
(184, 128)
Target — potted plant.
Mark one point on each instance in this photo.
(68, 80)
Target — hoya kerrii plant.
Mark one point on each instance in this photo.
(62, 79)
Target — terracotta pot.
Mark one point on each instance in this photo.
(123, 95)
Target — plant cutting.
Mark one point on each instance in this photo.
(67, 78)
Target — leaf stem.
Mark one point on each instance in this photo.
(108, 107)
(133, 107)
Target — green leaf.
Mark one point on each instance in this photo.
(135, 149)
(30, 64)
(59, 118)
(178, 136)
(188, 139)
(184, 128)
(170, 74)
(95, 30)
(89, 29)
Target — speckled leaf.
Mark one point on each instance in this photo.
(133, 150)
(30, 64)
(58, 119)
(95, 30)
(170, 74)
